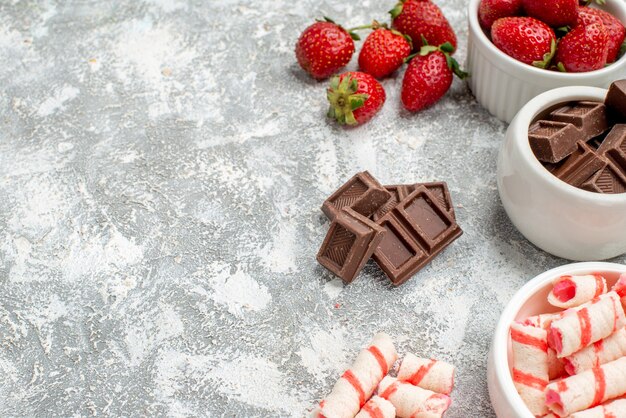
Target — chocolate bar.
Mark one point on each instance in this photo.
(608, 180)
(580, 165)
(349, 243)
(552, 141)
(615, 100)
(614, 146)
(362, 193)
(589, 117)
(416, 230)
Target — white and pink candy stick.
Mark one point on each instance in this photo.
(571, 291)
(434, 375)
(358, 383)
(583, 326)
(587, 389)
(542, 320)
(377, 407)
(620, 289)
(599, 353)
(412, 401)
(614, 409)
(530, 365)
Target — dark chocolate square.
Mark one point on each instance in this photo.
(350, 242)
(362, 193)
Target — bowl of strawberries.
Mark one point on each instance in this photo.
(518, 49)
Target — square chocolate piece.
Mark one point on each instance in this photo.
(362, 193)
(610, 180)
(417, 229)
(589, 117)
(580, 166)
(349, 243)
(552, 141)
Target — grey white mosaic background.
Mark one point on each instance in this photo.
(161, 167)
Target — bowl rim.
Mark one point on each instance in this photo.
(474, 26)
(501, 334)
(530, 110)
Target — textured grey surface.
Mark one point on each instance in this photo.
(161, 167)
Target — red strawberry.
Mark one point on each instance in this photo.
(383, 51)
(615, 29)
(354, 98)
(419, 18)
(526, 39)
(428, 77)
(324, 48)
(491, 10)
(553, 12)
(585, 48)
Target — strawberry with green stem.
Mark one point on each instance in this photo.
(526, 39)
(585, 48)
(421, 18)
(383, 51)
(354, 98)
(325, 47)
(429, 76)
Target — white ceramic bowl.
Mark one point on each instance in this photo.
(559, 218)
(503, 85)
(528, 301)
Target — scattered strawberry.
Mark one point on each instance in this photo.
(615, 29)
(491, 10)
(585, 48)
(383, 51)
(421, 19)
(324, 48)
(555, 13)
(354, 98)
(429, 76)
(526, 39)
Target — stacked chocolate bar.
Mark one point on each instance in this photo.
(584, 143)
(402, 227)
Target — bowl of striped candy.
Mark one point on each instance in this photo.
(559, 348)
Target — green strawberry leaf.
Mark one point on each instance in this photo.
(447, 47)
(358, 100)
(354, 36)
(456, 68)
(561, 67)
(424, 40)
(410, 57)
(349, 119)
(395, 12)
(547, 57)
(427, 49)
(562, 31)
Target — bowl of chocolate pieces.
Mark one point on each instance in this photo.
(562, 172)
